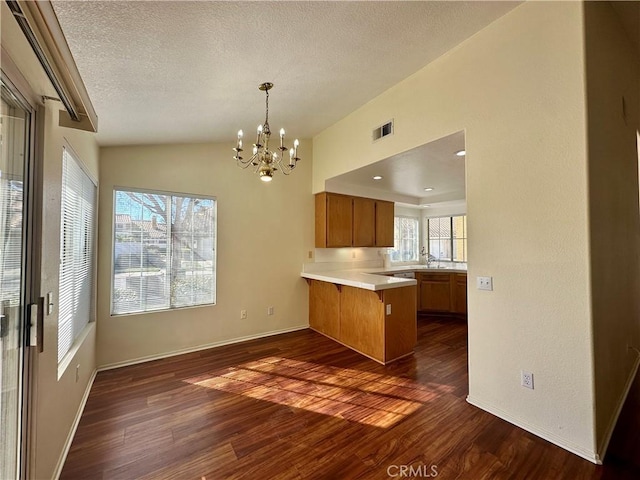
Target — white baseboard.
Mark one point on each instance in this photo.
(207, 346)
(74, 427)
(542, 433)
(604, 445)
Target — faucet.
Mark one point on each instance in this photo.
(430, 258)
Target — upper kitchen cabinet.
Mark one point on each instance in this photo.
(364, 222)
(384, 223)
(334, 220)
(346, 221)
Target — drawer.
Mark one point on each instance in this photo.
(435, 277)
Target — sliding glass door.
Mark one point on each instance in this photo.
(15, 129)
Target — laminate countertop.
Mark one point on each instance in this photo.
(378, 278)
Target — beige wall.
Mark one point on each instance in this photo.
(57, 401)
(613, 73)
(264, 234)
(517, 89)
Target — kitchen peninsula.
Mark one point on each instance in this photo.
(372, 314)
(375, 313)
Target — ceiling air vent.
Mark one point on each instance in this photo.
(383, 130)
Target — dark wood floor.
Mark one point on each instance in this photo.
(301, 406)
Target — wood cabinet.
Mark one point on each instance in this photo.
(358, 318)
(384, 223)
(347, 221)
(442, 292)
(334, 220)
(459, 292)
(364, 222)
(435, 292)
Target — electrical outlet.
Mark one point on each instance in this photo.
(484, 283)
(389, 309)
(243, 314)
(310, 254)
(269, 310)
(353, 254)
(526, 379)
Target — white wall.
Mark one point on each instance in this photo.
(57, 401)
(265, 232)
(517, 89)
(613, 73)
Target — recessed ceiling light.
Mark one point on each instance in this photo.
(461, 153)
(428, 189)
(377, 177)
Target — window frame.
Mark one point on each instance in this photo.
(417, 252)
(451, 239)
(169, 308)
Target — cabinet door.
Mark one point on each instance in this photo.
(339, 220)
(324, 307)
(435, 292)
(364, 221)
(459, 284)
(384, 223)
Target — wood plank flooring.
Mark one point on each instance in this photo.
(300, 406)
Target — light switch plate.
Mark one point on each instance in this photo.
(485, 283)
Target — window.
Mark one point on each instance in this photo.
(77, 247)
(447, 238)
(163, 251)
(405, 240)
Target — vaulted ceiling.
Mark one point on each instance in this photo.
(160, 72)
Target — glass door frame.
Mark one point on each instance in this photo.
(30, 287)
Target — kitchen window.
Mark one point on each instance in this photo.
(163, 251)
(405, 239)
(447, 238)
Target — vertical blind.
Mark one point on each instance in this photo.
(77, 238)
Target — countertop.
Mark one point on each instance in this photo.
(377, 278)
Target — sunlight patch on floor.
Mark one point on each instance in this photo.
(365, 397)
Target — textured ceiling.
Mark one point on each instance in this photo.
(160, 72)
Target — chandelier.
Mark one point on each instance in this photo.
(267, 162)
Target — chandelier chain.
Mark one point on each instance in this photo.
(266, 120)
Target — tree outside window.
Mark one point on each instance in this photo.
(164, 255)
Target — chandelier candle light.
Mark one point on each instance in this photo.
(266, 161)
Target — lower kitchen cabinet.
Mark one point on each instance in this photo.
(442, 292)
(379, 324)
(459, 288)
(435, 292)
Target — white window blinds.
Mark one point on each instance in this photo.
(163, 251)
(77, 239)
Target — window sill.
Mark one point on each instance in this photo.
(78, 342)
(162, 310)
